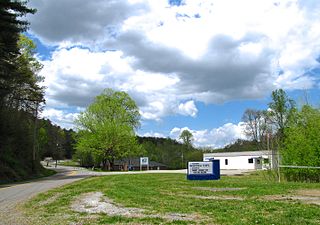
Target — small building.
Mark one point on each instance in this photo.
(253, 160)
(134, 164)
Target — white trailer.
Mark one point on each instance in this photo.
(254, 160)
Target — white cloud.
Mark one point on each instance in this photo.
(77, 21)
(188, 109)
(73, 78)
(153, 134)
(60, 117)
(208, 50)
(216, 137)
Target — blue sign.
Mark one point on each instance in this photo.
(204, 170)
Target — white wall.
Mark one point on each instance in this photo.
(236, 162)
(239, 161)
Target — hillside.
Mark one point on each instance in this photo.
(169, 152)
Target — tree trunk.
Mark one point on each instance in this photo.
(111, 164)
(104, 164)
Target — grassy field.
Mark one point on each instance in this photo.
(250, 199)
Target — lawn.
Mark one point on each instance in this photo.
(171, 199)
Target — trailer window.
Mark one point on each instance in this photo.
(250, 160)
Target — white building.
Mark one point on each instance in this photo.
(242, 160)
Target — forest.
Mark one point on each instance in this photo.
(24, 137)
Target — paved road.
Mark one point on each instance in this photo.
(12, 195)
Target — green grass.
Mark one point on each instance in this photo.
(171, 193)
(68, 163)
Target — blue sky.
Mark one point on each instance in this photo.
(188, 64)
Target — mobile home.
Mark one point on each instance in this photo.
(254, 160)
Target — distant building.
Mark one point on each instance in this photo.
(134, 164)
(254, 160)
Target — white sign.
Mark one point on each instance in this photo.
(144, 161)
(200, 168)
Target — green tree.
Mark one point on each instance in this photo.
(301, 145)
(169, 152)
(107, 128)
(20, 94)
(281, 108)
(187, 137)
(69, 143)
(11, 25)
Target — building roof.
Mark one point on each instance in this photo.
(234, 154)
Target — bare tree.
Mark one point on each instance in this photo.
(256, 126)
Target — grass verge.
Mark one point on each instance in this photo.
(43, 172)
(242, 200)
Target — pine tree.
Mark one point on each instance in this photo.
(11, 25)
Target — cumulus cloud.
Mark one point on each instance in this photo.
(80, 21)
(226, 71)
(216, 137)
(60, 117)
(219, 57)
(169, 57)
(74, 76)
(188, 108)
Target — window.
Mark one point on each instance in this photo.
(250, 160)
(226, 162)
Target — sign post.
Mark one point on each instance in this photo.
(204, 170)
(144, 161)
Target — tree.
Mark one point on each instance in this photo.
(169, 152)
(106, 128)
(280, 109)
(256, 126)
(20, 94)
(187, 137)
(11, 26)
(301, 145)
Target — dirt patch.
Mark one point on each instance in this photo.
(309, 192)
(96, 202)
(307, 196)
(212, 197)
(180, 216)
(218, 189)
(222, 197)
